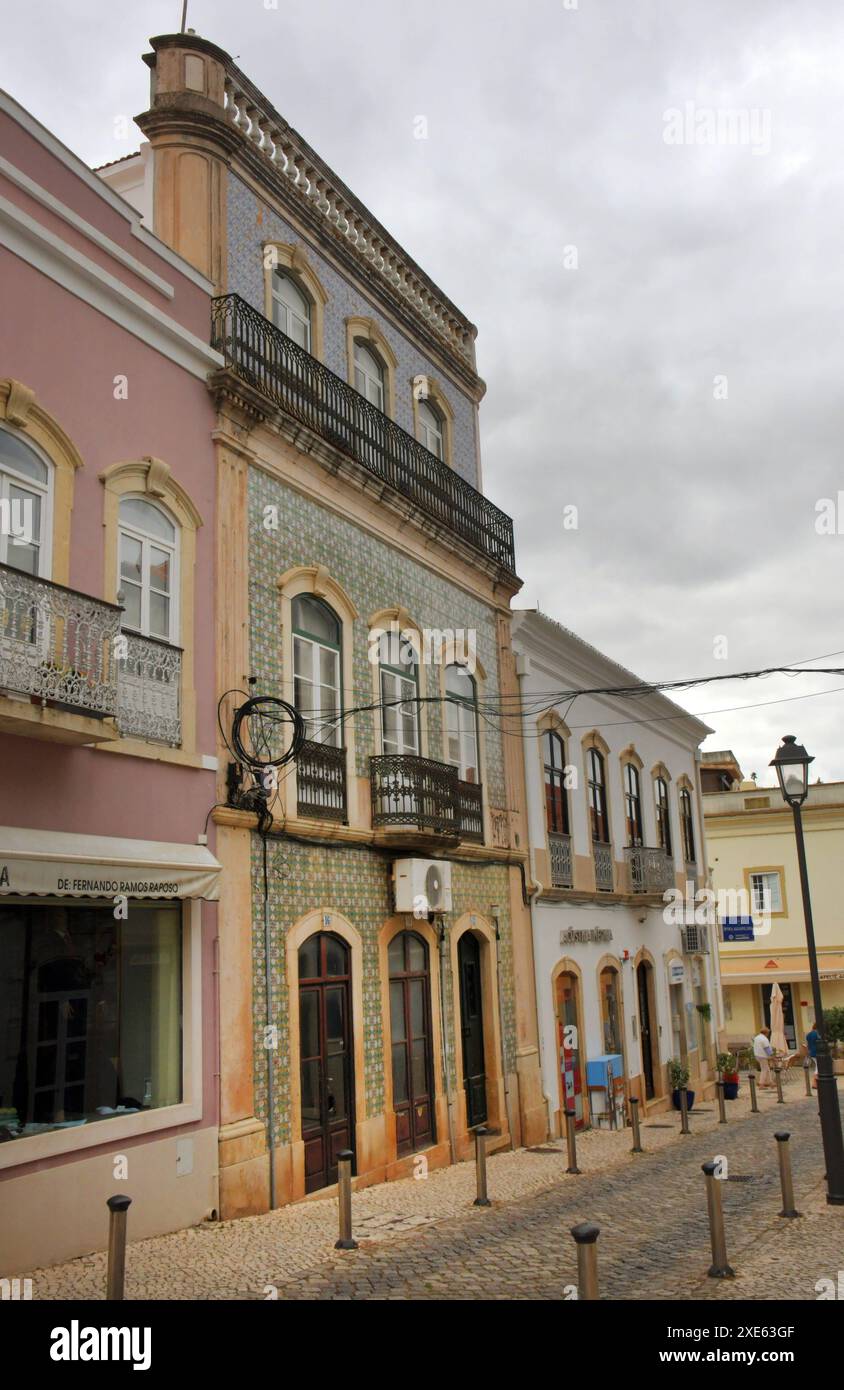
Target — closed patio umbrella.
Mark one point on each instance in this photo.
(778, 1039)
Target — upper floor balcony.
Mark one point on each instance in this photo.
(413, 796)
(650, 870)
(69, 674)
(259, 353)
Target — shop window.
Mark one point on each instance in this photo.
(92, 1011)
(611, 1009)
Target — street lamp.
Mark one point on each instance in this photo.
(791, 762)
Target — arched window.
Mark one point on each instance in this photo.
(633, 805)
(410, 1039)
(430, 429)
(663, 818)
(556, 797)
(24, 503)
(148, 558)
(317, 668)
(291, 309)
(597, 786)
(369, 374)
(399, 679)
(687, 825)
(610, 1009)
(461, 723)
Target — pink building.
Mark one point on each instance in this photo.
(108, 1041)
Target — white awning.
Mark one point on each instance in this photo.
(52, 863)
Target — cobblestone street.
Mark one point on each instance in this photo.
(424, 1239)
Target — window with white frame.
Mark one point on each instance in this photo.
(766, 891)
(148, 543)
(430, 429)
(369, 374)
(291, 309)
(317, 666)
(663, 815)
(25, 487)
(399, 697)
(461, 723)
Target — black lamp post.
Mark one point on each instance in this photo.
(791, 762)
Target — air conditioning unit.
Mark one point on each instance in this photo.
(695, 940)
(422, 885)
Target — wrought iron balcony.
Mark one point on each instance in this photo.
(321, 782)
(261, 354)
(562, 868)
(651, 870)
(149, 686)
(604, 878)
(418, 793)
(58, 646)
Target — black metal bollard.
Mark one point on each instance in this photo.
(722, 1109)
(586, 1239)
(719, 1269)
(634, 1120)
(684, 1111)
(786, 1182)
(751, 1081)
(344, 1200)
(118, 1207)
(571, 1143)
(481, 1200)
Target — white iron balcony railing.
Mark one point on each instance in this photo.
(562, 874)
(58, 646)
(602, 855)
(149, 684)
(651, 870)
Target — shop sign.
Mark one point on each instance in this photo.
(579, 936)
(676, 972)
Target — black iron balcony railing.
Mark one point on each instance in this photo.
(420, 793)
(651, 870)
(604, 876)
(321, 781)
(259, 353)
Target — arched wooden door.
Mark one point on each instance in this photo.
(410, 1039)
(472, 1028)
(325, 1056)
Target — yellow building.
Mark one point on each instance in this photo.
(753, 858)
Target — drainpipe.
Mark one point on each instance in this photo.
(452, 1147)
(270, 1035)
(507, 1104)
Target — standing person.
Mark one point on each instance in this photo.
(763, 1051)
(812, 1039)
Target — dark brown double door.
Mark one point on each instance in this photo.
(326, 1063)
(410, 1037)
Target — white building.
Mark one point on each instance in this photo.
(614, 816)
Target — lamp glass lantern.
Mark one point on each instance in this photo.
(791, 762)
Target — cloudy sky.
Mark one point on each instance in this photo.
(660, 321)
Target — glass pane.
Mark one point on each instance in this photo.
(419, 1067)
(131, 605)
(417, 954)
(159, 569)
(309, 1023)
(130, 559)
(316, 619)
(309, 959)
(23, 558)
(417, 1008)
(397, 1021)
(329, 667)
(459, 682)
(335, 1000)
(25, 516)
(146, 517)
(311, 1109)
(395, 955)
(48, 1021)
(20, 458)
(336, 957)
(399, 1073)
(159, 616)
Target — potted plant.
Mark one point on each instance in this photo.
(705, 1011)
(678, 1076)
(833, 1022)
(726, 1064)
